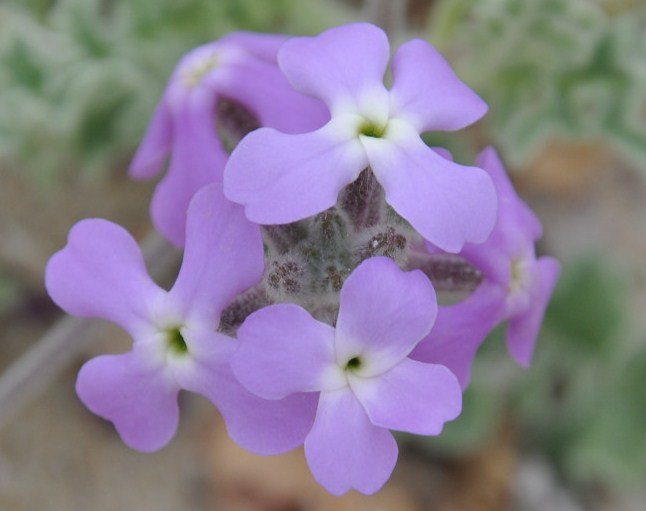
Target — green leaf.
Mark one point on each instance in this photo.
(586, 309)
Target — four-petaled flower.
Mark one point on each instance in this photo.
(360, 372)
(101, 273)
(282, 178)
(517, 286)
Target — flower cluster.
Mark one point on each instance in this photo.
(319, 231)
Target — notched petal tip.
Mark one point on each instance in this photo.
(140, 404)
(101, 273)
(344, 450)
(428, 93)
(338, 64)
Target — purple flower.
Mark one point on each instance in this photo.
(516, 287)
(360, 372)
(101, 273)
(240, 67)
(281, 178)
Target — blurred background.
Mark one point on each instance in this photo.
(566, 85)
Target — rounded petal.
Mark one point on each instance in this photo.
(412, 396)
(447, 203)
(140, 402)
(284, 178)
(198, 159)
(344, 450)
(516, 229)
(155, 146)
(223, 256)
(262, 46)
(260, 426)
(427, 93)
(460, 329)
(101, 273)
(339, 65)
(284, 350)
(265, 91)
(522, 330)
(511, 209)
(384, 313)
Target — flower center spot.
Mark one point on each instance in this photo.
(353, 364)
(176, 343)
(517, 275)
(370, 129)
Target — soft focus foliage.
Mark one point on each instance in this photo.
(79, 78)
(551, 68)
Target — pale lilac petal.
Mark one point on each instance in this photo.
(223, 257)
(284, 178)
(264, 90)
(198, 159)
(427, 93)
(260, 426)
(412, 396)
(101, 273)
(155, 146)
(515, 218)
(344, 450)
(522, 330)
(140, 402)
(284, 350)
(459, 331)
(262, 46)
(516, 230)
(384, 312)
(447, 203)
(339, 65)
(443, 152)
(492, 258)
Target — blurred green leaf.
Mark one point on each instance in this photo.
(79, 79)
(551, 69)
(586, 309)
(613, 445)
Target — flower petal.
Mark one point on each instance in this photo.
(262, 46)
(344, 450)
(265, 91)
(384, 313)
(284, 178)
(460, 329)
(522, 330)
(223, 257)
(198, 159)
(511, 209)
(155, 146)
(412, 396)
(284, 350)
(140, 402)
(338, 66)
(427, 93)
(101, 273)
(260, 426)
(447, 203)
(492, 258)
